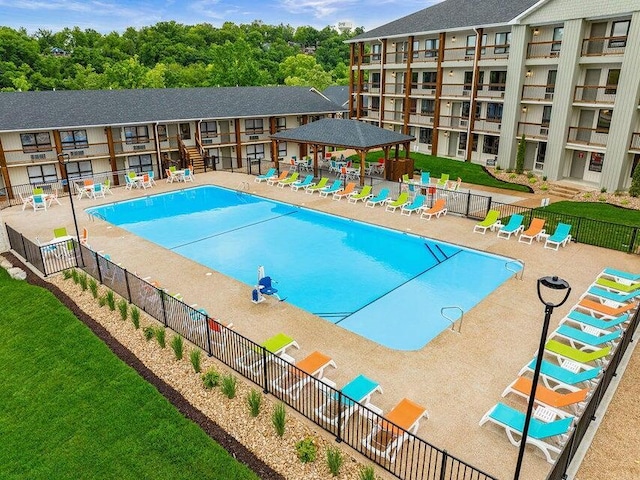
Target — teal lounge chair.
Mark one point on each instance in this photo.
(289, 180)
(590, 339)
(379, 199)
(512, 421)
(363, 194)
(555, 377)
(562, 351)
(414, 206)
(626, 287)
(513, 227)
(357, 392)
(560, 237)
(265, 176)
(402, 200)
(583, 318)
(335, 186)
(308, 181)
(618, 275)
(425, 179)
(595, 291)
(492, 220)
(317, 186)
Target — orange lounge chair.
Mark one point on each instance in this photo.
(522, 386)
(534, 232)
(606, 308)
(386, 439)
(293, 380)
(345, 192)
(281, 177)
(438, 208)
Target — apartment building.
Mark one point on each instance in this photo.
(469, 78)
(103, 131)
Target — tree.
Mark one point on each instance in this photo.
(634, 191)
(302, 70)
(522, 149)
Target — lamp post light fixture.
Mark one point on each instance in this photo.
(551, 283)
(64, 157)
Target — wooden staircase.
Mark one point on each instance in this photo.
(563, 191)
(195, 158)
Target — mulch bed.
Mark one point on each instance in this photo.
(236, 449)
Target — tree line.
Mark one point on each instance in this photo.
(173, 55)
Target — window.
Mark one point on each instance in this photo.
(490, 145)
(494, 111)
(281, 124)
(462, 142)
(426, 136)
(468, 80)
(619, 30)
(612, 82)
(497, 80)
(431, 46)
(136, 135)
(413, 105)
(429, 80)
(73, 139)
(79, 169)
(403, 47)
(375, 80)
(253, 126)
(557, 39)
(471, 45)
(551, 81)
(209, 129)
(428, 106)
(466, 109)
(546, 115)
(416, 48)
(255, 152)
(36, 142)
(42, 174)
(542, 153)
(604, 121)
(162, 133)
(503, 39)
(185, 131)
(414, 80)
(375, 103)
(140, 163)
(282, 149)
(376, 49)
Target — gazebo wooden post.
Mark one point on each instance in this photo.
(387, 163)
(315, 160)
(363, 156)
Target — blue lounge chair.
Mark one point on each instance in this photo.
(357, 390)
(265, 176)
(555, 377)
(425, 179)
(379, 199)
(586, 340)
(512, 421)
(578, 317)
(414, 206)
(620, 274)
(335, 186)
(595, 291)
(560, 237)
(307, 182)
(513, 227)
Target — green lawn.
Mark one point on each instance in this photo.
(71, 409)
(597, 211)
(436, 166)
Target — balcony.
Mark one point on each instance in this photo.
(487, 125)
(587, 136)
(462, 90)
(423, 89)
(421, 119)
(635, 142)
(459, 53)
(543, 49)
(605, 95)
(425, 56)
(454, 122)
(598, 46)
(533, 130)
(491, 90)
(396, 57)
(396, 88)
(393, 116)
(367, 59)
(495, 52)
(542, 93)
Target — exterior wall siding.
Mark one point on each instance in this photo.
(561, 10)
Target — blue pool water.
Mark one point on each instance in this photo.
(385, 285)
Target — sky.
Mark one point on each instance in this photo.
(116, 15)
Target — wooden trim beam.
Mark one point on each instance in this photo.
(360, 81)
(474, 94)
(5, 172)
(407, 89)
(112, 154)
(383, 83)
(274, 144)
(351, 55)
(238, 142)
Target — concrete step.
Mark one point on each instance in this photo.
(564, 191)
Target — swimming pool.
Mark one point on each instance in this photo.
(385, 285)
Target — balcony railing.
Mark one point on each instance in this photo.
(459, 53)
(587, 136)
(487, 125)
(491, 90)
(595, 94)
(456, 90)
(393, 116)
(597, 46)
(394, 88)
(538, 92)
(543, 49)
(635, 142)
(423, 88)
(533, 130)
(452, 121)
(422, 119)
(494, 52)
(425, 56)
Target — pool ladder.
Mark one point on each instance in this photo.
(243, 186)
(453, 321)
(509, 266)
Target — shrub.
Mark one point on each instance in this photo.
(334, 460)
(93, 288)
(531, 175)
(367, 473)
(513, 175)
(66, 274)
(229, 385)
(210, 379)
(522, 150)
(509, 170)
(149, 332)
(254, 400)
(160, 334)
(602, 198)
(178, 346)
(111, 300)
(544, 178)
(587, 195)
(603, 190)
(307, 450)
(279, 418)
(196, 357)
(498, 168)
(83, 281)
(135, 317)
(533, 180)
(75, 277)
(544, 187)
(123, 308)
(618, 193)
(102, 301)
(624, 201)
(634, 190)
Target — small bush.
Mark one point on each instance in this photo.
(498, 168)
(254, 400)
(149, 332)
(196, 357)
(513, 175)
(533, 180)
(624, 201)
(135, 317)
(367, 473)
(93, 288)
(160, 334)
(102, 301)
(603, 190)
(587, 196)
(66, 274)
(618, 193)
(544, 187)
(544, 178)
(74, 276)
(334, 460)
(531, 175)
(229, 385)
(83, 281)
(123, 308)
(602, 198)
(279, 418)
(509, 170)
(177, 345)
(307, 450)
(634, 190)
(111, 300)
(520, 154)
(210, 379)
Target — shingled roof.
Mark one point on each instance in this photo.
(80, 108)
(450, 15)
(343, 133)
(338, 94)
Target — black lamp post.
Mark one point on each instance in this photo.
(64, 156)
(552, 283)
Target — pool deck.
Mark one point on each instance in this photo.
(458, 377)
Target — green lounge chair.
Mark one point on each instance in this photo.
(620, 287)
(442, 183)
(317, 187)
(492, 220)
(363, 194)
(288, 181)
(578, 317)
(276, 345)
(402, 199)
(560, 350)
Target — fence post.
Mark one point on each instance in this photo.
(468, 204)
(265, 387)
(126, 281)
(95, 254)
(206, 325)
(577, 230)
(632, 243)
(339, 422)
(164, 306)
(24, 248)
(443, 465)
(489, 205)
(44, 265)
